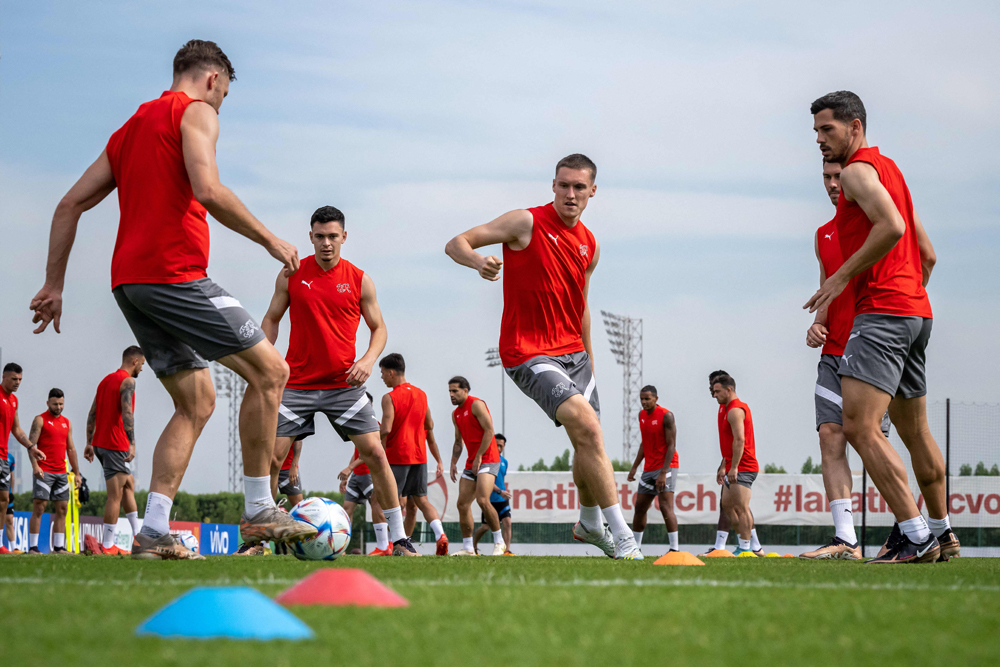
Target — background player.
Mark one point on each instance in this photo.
(52, 432)
(500, 499)
(738, 469)
(474, 426)
(10, 425)
(289, 480)
(356, 485)
(545, 342)
(9, 512)
(659, 476)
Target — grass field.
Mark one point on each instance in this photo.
(524, 611)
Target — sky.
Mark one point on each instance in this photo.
(422, 119)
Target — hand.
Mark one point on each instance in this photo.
(661, 482)
(631, 474)
(816, 335)
(719, 475)
(489, 268)
(825, 295)
(343, 486)
(35, 454)
(88, 453)
(131, 454)
(344, 474)
(439, 471)
(285, 253)
(454, 471)
(506, 495)
(47, 305)
(732, 475)
(293, 476)
(477, 462)
(36, 471)
(359, 372)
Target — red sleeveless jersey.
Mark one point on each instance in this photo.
(325, 310)
(543, 290)
(654, 442)
(749, 461)
(8, 408)
(52, 442)
(472, 433)
(361, 469)
(840, 314)
(894, 285)
(407, 441)
(163, 231)
(109, 432)
(287, 463)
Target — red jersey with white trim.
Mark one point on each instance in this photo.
(325, 310)
(543, 290)
(748, 463)
(894, 285)
(163, 231)
(52, 441)
(407, 441)
(361, 468)
(287, 463)
(8, 408)
(840, 313)
(472, 433)
(654, 441)
(109, 432)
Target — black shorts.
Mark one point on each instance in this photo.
(411, 479)
(503, 510)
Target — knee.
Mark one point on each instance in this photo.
(274, 375)
(832, 444)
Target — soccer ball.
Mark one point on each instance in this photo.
(333, 528)
(190, 541)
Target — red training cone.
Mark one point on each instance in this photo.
(342, 587)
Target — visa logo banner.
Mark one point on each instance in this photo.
(20, 541)
(219, 539)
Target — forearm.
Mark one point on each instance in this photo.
(73, 463)
(22, 437)
(462, 252)
(586, 335)
(668, 457)
(456, 452)
(433, 447)
(270, 329)
(91, 426)
(61, 238)
(487, 441)
(227, 208)
(638, 458)
(882, 238)
(128, 423)
(376, 344)
(738, 445)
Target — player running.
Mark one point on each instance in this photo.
(289, 481)
(52, 433)
(10, 425)
(500, 500)
(162, 161)
(738, 469)
(888, 259)
(326, 299)
(659, 476)
(545, 342)
(474, 426)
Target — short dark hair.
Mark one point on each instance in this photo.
(715, 374)
(845, 105)
(578, 161)
(12, 368)
(500, 436)
(461, 382)
(56, 393)
(202, 53)
(393, 362)
(725, 380)
(327, 214)
(650, 388)
(132, 352)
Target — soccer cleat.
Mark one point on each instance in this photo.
(252, 549)
(891, 542)
(60, 551)
(442, 545)
(271, 524)
(627, 549)
(602, 541)
(499, 548)
(164, 547)
(33, 551)
(950, 546)
(403, 547)
(835, 549)
(711, 550)
(740, 552)
(381, 552)
(908, 552)
(464, 552)
(760, 553)
(4, 551)
(509, 553)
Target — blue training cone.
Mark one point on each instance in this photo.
(231, 613)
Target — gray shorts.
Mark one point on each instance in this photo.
(348, 409)
(5, 475)
(647, 483)
(411, 479)
(549, 381)
(888, 352)
(829, 401)
(181, 326)
(52, 486)
(490, 468)
(360, 487)
(113, 462)
(742, 478)
(286, 487)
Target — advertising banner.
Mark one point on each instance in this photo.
(187, 528)
(21, 533)
(218, 539)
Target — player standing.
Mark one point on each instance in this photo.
(545, 333)
(162, 161)
(500, 500)
(10, 425)
(888, 259)
(356, 485)
(53, 434)
(738, 469)
(659, 476)
(327, 297)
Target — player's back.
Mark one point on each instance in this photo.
(109, 432)
(407, 441)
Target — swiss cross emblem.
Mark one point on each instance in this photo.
(654, 422)
(584, 249)
(344, 287)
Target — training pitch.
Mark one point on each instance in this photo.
(523, 611)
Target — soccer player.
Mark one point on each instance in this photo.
(9, 513)
(500, 499)
(407, 432)
(53, 434)
(326, 299)
(162, 161)
(545, 341)
(111, 437)
(659, 477)
(474, 426)
(10, 425)
(738, 469)
(289, 482)
(888, 258)
(356, 485)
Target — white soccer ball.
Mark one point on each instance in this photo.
(190, 541)
(333, 529)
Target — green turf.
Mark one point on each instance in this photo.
(524, 611)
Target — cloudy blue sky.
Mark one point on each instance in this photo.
(421, 119)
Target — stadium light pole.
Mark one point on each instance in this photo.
(231, 386)
(625, 336)
(493, 359)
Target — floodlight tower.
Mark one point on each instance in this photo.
(231, 386)
(493, 359)
(625, 336)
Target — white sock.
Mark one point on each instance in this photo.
(843, 520)
(938, 526)
(674, 541)
(32, 540)
(59, 540)
(256, 494)
(156, 521)
(468, 545)
(394, 517)
(438, 529)
(744, 544)
(638, 536)
(754, 542)
(616, 522)
(133, 520)
(497, 537)
(721, 537)
(591, 519)
(109, 535)
(381, 536)
(915, 529)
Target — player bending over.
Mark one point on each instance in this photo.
(500, 500)
(659, 475)
(53, 434)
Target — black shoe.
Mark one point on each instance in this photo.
(403, 547)
(891, 542)
(906, 551)
(34, 551)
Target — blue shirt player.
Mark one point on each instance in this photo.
(500, 499)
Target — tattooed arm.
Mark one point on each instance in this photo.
(127, 392)
(36, 430)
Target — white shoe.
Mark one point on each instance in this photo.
(602, 541)
(499, 548)
(627, 549)
(465, 552)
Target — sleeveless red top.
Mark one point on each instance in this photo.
(8, 408)
(163, 231)
(287, 463)
(840, 314)
(361, 469)
(407, 441)
(52, 442)
(109, 432)
(654, 442)
(894, 285)
(325, 310)
(543, 297)
(472, 433)
(749, 461)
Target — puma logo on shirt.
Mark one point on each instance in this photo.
(308, 284)
(555, 239)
